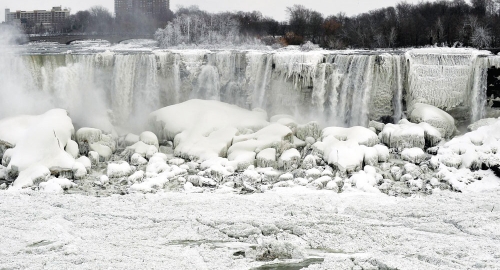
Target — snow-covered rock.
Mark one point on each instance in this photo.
(72, 149)
(130, 139)
(137, 160)
(361, 135)
(118, 169)
(290, 159)
(103, 151)
(39, 144)
(244, 148)
(434, 116)
(413, 155)
(267, 158)
(149, 138)
(89, 135)
(206, 128)
(409, 135)
(346, 156)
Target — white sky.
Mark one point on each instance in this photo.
(273, 8)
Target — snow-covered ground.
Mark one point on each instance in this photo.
(445, 230)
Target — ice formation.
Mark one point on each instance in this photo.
(332, 87)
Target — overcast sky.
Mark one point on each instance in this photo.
(273, 8)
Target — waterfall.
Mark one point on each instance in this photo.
(334, 88)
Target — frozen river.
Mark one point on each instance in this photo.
(227, 231)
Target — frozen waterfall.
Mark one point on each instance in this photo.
(333, 88)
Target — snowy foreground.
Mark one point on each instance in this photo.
(297, 226)
(211, 185)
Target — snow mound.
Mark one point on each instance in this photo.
(203, 129)
(361, 135)
(40, 143)
(435, 117)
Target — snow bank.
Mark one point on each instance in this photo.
(203, 129)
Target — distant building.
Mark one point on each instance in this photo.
(46, 18)
(147, 7)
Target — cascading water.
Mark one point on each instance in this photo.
(102, 89)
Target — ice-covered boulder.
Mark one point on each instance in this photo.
(413, 155)
(40, 142)
(383, 152)
(130, 139)
(245, 147)
(72, 149)
(85, 161)
(346, 156)
(118, 169)
(290, 159)
(149, 138)
(267, 158)
(434, 116)
(363, 181)
(103, 151)
(361, 135)
(409, 135)
(203, 129)
(89, 135)
(309, 130)
(137, 160)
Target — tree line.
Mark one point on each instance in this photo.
(443, 22)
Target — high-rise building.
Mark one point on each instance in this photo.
(146, 7)
(47, 18)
